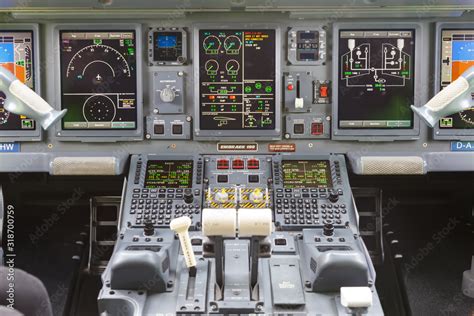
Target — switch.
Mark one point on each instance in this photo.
(323, 91)
(159, 129)
(253, 164)
(298, 129)
(254, 178)
(237, 164)
(222, 164)
(317, 128)
(222, 178)
(256, 196)
(177, 129)
(167, 95)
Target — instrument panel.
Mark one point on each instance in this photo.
(278, 86)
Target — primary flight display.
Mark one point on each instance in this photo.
(17, 55)
(98, 79)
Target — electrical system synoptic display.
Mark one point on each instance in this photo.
(169, 174)
(17, 55)
(98, 80)
(457, 55)
(306, 174)
(237, 79)
(376, 79)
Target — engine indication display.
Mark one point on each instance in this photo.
(376, 79)
(306, 174)
(16, 55)
(457, 55)
(169, 174)
(237, 80)
(98, 80)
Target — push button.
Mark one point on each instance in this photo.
(298, 128)
(159, 129)
(177, 129)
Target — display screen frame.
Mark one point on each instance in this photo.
(36, 133)
(371, 134)
(264, 134)
(308, 185)
(448, 133)
(146, 180)
(85, 135)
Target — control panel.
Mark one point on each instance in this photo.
(163, 188)
(312, 192)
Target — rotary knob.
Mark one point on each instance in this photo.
(333, 196)
(167, 95)
(188, 197)
(256, 196)
(221, 196)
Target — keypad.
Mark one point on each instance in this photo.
(307, 207)
(162, 205)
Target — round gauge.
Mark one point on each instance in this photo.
(232, 67)
(211, 44)
(468, 116)
(99, 108)
(211, 66)
(97, 64)
(232, 44)
(4, 114)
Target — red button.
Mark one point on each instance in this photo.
(290, 87)
(323, 91)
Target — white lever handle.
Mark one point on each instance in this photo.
(181, 225)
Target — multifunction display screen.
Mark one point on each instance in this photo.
(167, 46)
(237, 79)
(169, 174)
(17, 55)
(306, 174)
(457, 55)
(376, 79)
(98, 80)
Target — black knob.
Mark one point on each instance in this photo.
(333, 196)
(148, 230)
(328, 229)
(188, 197)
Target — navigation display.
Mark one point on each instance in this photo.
(376, 79)
(457, 55)
(237, 70)
(169, 174)
(306, 174)
(17, 55)
(98, 80)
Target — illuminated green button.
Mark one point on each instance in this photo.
(268, 89)
(258, 85)
(248, 89)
